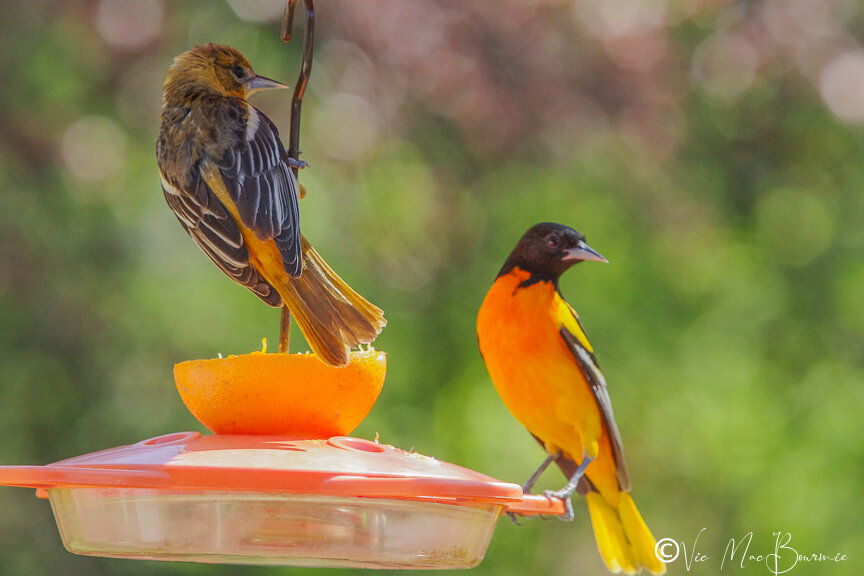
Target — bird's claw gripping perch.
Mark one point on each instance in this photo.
(568, 503)
(514, 517)
(297, 163)
(529, 485)
(563, 494)
(567, 491)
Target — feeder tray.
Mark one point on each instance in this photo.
(339, 502)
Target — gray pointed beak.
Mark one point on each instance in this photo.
(259, 83)
(583, 252)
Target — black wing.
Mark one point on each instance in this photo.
(214, 230)
(595, 378)
(258, 178)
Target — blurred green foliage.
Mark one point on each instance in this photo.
(711, 150)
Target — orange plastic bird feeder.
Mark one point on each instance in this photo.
(302, 497)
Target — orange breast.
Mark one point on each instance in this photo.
(537, 376)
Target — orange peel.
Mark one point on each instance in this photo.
(295, 395)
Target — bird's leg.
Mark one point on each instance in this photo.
(526, 488)
(566, 492)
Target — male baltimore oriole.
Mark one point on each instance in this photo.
(226, 176)
(544, 369)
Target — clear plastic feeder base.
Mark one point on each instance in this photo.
(255, 528)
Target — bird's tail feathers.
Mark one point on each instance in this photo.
(624, 541)
(332, 316)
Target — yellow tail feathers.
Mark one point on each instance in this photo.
(639, 535)
(333, 317)
(624, 541)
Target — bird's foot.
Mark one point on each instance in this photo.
(297, 163)
(564, 496)
(514, 517)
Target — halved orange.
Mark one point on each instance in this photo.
(294, 395)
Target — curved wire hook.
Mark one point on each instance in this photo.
(294, 134)
(305, 70)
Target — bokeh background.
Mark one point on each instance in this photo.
(711, 149)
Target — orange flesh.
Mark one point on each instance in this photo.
(294, 395)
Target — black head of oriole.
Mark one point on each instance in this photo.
(545, 371)
(547, 250)
(226, 176)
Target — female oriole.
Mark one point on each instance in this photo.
(226, 176)
(544, 369)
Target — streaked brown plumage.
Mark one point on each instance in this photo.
(226, 176)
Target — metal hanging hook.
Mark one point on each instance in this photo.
(305, 70)
(294, 134)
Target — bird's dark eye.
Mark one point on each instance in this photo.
(553, 240)
(238, 72)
